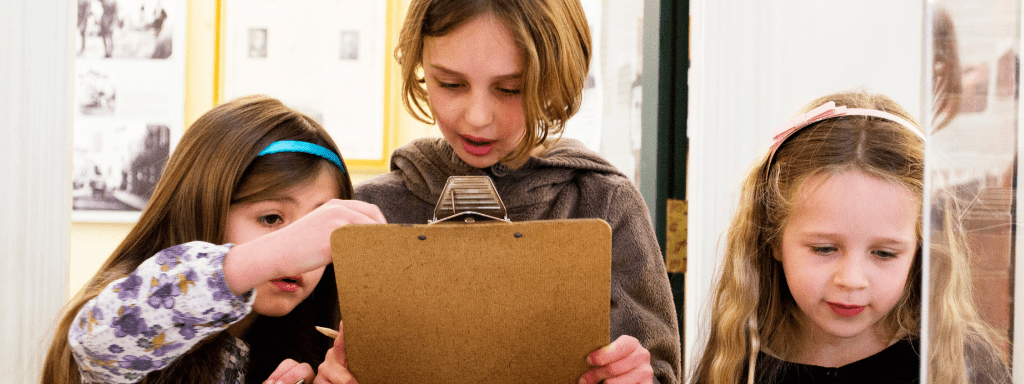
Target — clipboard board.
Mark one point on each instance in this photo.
(487, 302)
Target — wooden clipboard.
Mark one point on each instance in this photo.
(489, 302)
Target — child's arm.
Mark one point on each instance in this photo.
(143, 322)
(299, 247)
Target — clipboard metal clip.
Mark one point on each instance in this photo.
(467, 200)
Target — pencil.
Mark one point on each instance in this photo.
(328, 332)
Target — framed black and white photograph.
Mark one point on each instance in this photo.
(129, 104)
(97, 95)
(136, 29)
(117, 165)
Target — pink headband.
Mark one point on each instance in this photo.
(828, 111)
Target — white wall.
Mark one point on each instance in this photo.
(753, 64)
(36, 42)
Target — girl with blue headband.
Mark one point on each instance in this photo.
(227, 273)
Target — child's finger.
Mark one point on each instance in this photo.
(281, 369)
(639, 359)
(640, 375)
(339, 346)
(617, 350)
(624, 360)
(370, 210)
(353, 212)
(290, 371)
(301, 372)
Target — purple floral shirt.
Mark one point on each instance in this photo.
(163, 309)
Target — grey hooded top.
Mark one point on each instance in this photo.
(567, 181)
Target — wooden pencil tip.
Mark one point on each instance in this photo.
(328, 332)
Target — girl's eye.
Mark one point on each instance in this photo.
(448, 85)
(884, 254)
(824, 249)
(270, 220)
(510, 92)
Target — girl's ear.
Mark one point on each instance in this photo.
(776, 251)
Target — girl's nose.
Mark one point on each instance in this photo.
(851, 273)
(480, 111)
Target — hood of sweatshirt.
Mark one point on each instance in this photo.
(425, 165)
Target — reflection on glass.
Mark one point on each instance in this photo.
(972, 171)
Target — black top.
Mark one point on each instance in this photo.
(899, 363)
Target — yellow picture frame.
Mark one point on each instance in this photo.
(205, 80)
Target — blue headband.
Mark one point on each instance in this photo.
(304, 147)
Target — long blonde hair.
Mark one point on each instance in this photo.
(752, 309)
(554, 38)
(964, 348)
(214, 166)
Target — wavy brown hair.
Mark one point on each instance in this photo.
(752, 309)
(213, 167)
(553, 36)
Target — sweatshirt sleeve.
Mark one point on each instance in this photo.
(642, 304)
(143, 322)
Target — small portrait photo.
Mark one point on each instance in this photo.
(350, 45)
(257, 43)
(96, 94)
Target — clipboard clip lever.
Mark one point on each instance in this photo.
(467, 200)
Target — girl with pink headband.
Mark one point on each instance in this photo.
(821, 276)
